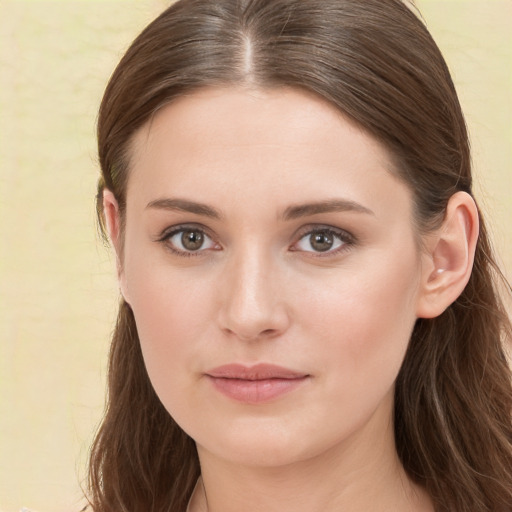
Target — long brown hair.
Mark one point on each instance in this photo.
(376, 62)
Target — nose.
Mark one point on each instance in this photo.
(253, 303)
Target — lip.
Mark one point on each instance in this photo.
(255, 384)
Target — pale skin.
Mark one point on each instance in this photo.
(304, 254)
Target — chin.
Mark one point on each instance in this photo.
(268, 443)
(276, 440)
(258, 453)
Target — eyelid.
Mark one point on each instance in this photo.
(165, 236)
(346, 237)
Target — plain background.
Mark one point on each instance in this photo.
(58, 294)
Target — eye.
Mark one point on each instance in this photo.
(186, 241)
(323, 240)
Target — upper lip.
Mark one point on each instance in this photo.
(260, 371)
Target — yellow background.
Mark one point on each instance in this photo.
(57, 291)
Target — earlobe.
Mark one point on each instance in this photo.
(113, 224)
(448, 261)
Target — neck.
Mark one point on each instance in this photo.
(360, 474)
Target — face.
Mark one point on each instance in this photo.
(271, 262)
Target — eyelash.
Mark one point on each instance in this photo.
(347, 240)
(168, 234)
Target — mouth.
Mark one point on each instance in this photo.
(255, 384)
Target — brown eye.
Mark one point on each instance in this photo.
(185, 241)
(192, 240)
(322, 241)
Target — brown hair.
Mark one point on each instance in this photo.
(376, 62)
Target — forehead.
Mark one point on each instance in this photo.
(257, 143)
(230, 115)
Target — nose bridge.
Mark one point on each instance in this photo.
(252, 306)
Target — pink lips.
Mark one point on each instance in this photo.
(255, 384)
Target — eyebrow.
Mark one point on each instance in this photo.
(183, 205)
(291, 213)
(329, 206)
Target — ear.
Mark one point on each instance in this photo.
(113, 224)
(448, 260)
(112, 219)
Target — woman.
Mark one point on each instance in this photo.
(310, 317)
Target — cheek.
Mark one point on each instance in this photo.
(364, 326)
(173, 316)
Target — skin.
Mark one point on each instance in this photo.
(257, 290)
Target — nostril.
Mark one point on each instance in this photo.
(247, 336)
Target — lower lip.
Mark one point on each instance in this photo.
(255, 391)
